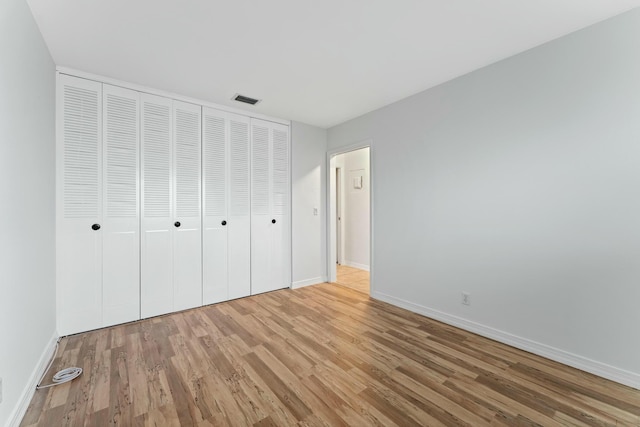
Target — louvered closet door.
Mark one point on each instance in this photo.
(157, 224)
(227, 223)
(270, 219)
(239, 247)
(121, 224)
(280, 207)
(78, 205)
(215, 149)
(187, 214)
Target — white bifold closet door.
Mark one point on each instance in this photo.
(187, 255)
(121, 205)
(97, 234)
(171, 248)
(270, 207)
(226, 204)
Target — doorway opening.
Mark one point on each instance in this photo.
(350, 218)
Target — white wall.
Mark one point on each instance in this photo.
(520, 184)
(308, 173)
(355, 208)
(27, 215)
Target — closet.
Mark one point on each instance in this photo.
(163, 205)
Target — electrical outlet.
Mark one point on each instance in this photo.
(466, 298)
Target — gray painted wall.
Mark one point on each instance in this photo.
(309, 182)
(520, 184)
(27, 201)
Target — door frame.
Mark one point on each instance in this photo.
(338, 213)
(331, 208)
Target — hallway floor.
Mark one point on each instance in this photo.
(353, 278)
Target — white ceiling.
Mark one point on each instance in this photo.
(320, 62)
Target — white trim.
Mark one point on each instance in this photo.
(355, 265)
(289, 254)
(15, 418)
(308, 282)
(166, 94)
(600, 369)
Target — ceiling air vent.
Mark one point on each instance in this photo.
(245, 99)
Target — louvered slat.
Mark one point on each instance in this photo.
(81, 152)
(121, 156)
(260, 171)
(239, 167)
(187, 146)
(215, 180)
(280, 173)
(157, 159)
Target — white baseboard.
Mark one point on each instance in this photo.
(27, 394)
(308, 282)
(631, 379)
(355, 265)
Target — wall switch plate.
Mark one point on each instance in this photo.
(315, 211)
(466, 298)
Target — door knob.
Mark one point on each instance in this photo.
(224, 222)
(273, 221)
(177, 224)
(95, 227)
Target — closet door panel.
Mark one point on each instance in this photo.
(215, 272)
(215, 220)
(121, 277)
(78, 205)
(280, 207)
(239, 244)
(240, 257)
(156, 290)
(156, 287)
(121, 224)
(260, 209)
(187, 269)
(79, 270)
(187, 215)
(270, 207)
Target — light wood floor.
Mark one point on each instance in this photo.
(316, 356)
(353, 278)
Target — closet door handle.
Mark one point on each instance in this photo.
(177, 223)
(224, 223)
(95, 227)
(273, 221)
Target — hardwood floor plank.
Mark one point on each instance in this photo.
(422, 405)
(287, 396)
(565, 403)
(119, 399)
(323, 355)
(297, 362)
(298, 388)
(441, 396)
(397, 414)
(601, 394)
(265, 422)
(506, 405)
